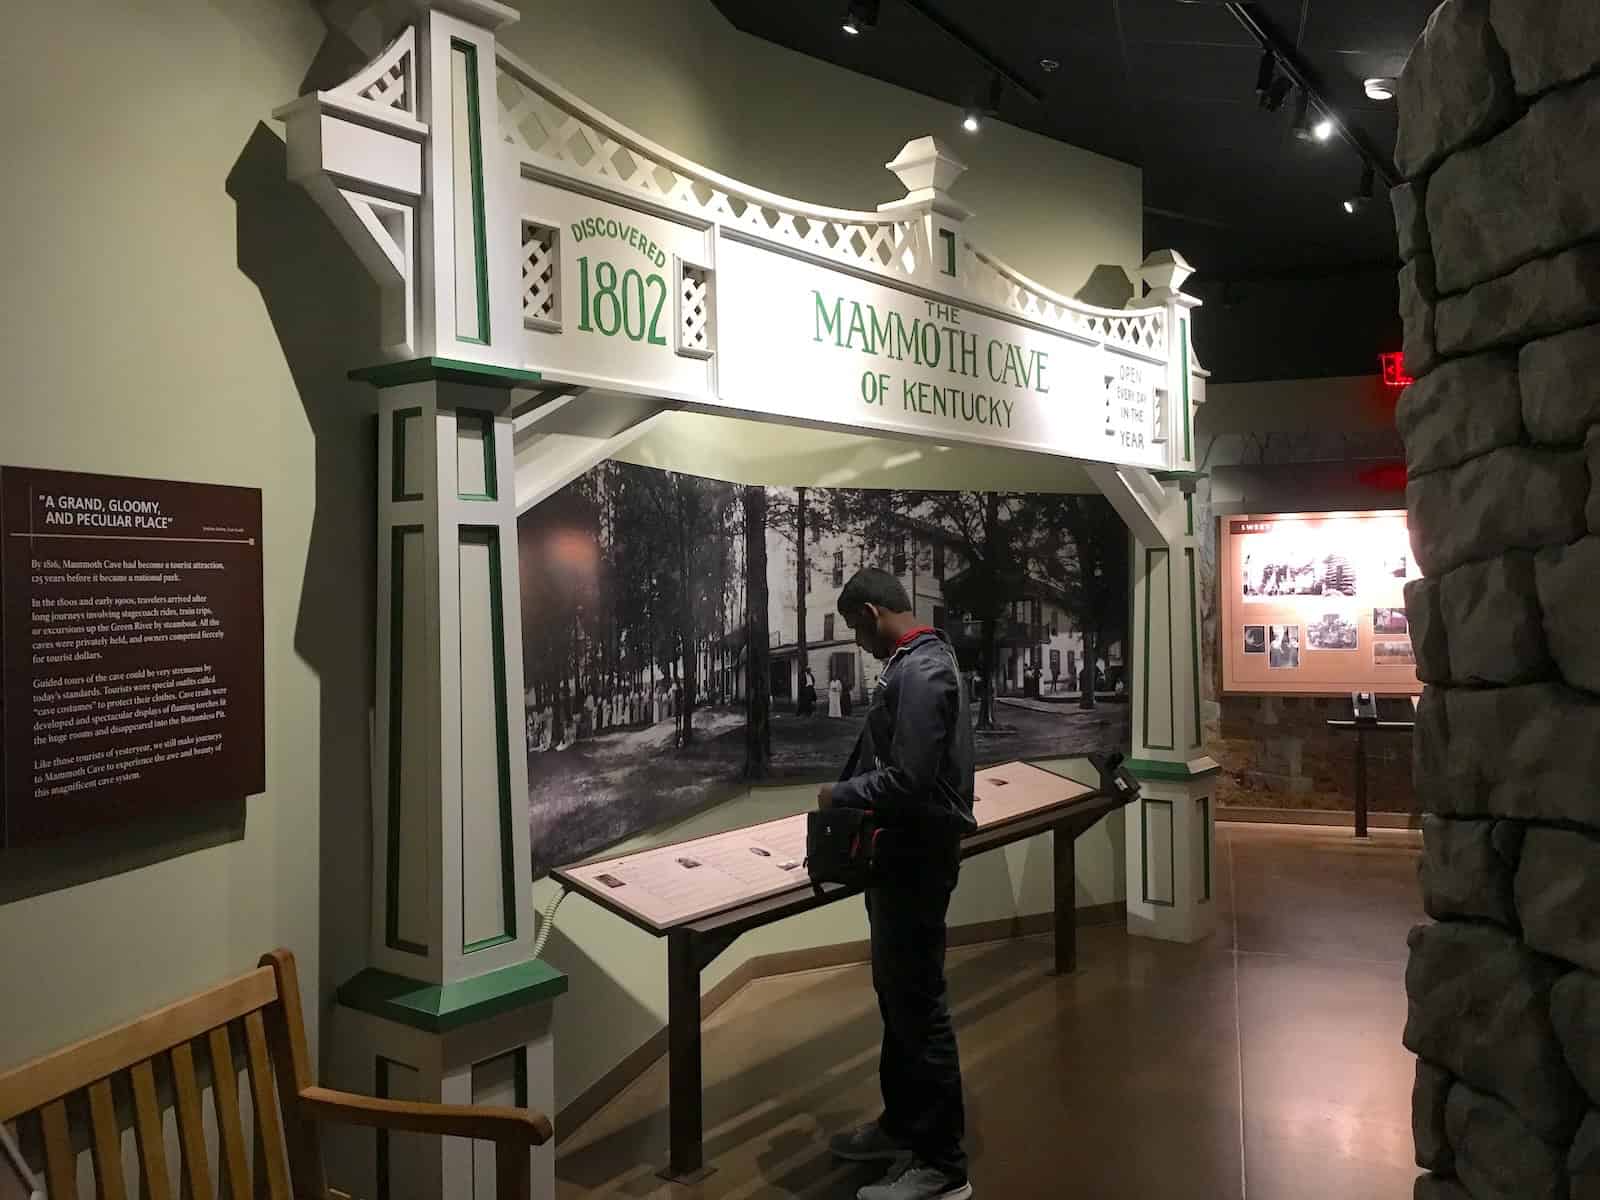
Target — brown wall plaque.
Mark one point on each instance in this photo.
(131, 669)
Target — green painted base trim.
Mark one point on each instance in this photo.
(452, 370)
(1150, 768)
(440, 1008)
(1178, 476)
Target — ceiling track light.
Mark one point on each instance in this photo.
(860, 16)
(1308, 127)
(1363, 196)
(1382, 88)
(1266, 75)
(972, 120)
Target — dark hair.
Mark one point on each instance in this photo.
(872, 586)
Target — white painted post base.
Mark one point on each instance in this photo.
(506, 1060)
(1171, 859)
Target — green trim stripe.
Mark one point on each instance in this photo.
(489, 536)
(1183, 349)
(1149, 605)
(1158, 769)
(450, 370)
(440, 1008)
(949, 238)
(486, 426)
(519, 1067)
(1189, 504)
(397, 468)
(469, 53)
(1144, 852)
(1194, 642)
(397, 609)
(1205, 845)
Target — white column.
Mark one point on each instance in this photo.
(1170, 829)
(454, 1007)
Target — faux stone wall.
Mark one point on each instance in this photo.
(1499, 228)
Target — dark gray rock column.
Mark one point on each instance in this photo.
(1499, 229)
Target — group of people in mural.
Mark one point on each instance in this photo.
(560, 720)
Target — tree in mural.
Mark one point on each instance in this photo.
(991, 532)
(757, 637)
(1082, 546)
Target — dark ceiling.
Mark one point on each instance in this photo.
(1169, 85)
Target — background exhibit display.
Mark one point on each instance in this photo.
(1315, 604)
(680, 635)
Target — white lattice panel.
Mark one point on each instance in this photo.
(1142, 330)
(541, 276)
(388, 81)
(545, 129)
(694, 311)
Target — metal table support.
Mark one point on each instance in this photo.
(1362, 728)
(693, 947)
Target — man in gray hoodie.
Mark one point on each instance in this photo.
(913, 768)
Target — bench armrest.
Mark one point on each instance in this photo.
(515, 1125)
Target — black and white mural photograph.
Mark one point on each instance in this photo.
(1333, 631)
(681, 640)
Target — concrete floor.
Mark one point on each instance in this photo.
(1263, 1064)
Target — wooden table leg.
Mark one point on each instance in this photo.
(686, 1118)
(1066, 888)
(1361, 783)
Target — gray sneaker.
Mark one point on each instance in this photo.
(918, 1182)
(869, 1143)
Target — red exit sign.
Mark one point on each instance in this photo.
(1394, 370)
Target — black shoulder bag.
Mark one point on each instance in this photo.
(842, 843)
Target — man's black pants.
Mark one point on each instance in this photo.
(919, 1068)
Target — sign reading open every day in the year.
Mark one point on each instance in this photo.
(808, 342)
(130, 649)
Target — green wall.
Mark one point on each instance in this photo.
(175, 309)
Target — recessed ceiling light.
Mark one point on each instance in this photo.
(1048, 65)
(972, 122)
(1380, 89)
(1322, 130)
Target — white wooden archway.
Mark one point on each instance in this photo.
(554, 286)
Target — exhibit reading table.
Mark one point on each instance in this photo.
(702, 894)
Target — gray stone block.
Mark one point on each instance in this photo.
(1460, 410)
(1428, 638)
(1464, 875)
(1497, 1156)
(1528, 753)
(1428, 1096)
(1516, 498)
(1591, 449)
(1411, 218)
(1492, 619)
(1478, 1005)
(1548, 43)
(1575, 1013)
(1558, 895)
(1439, 1187)
(1543, 297)
(1430, 751)
(1583, 1162)
(1456, 86)
(1567, 578)
(1559, 379)
(1418, 316)
(1525, 193)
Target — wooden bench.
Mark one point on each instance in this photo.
(259, 1013)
